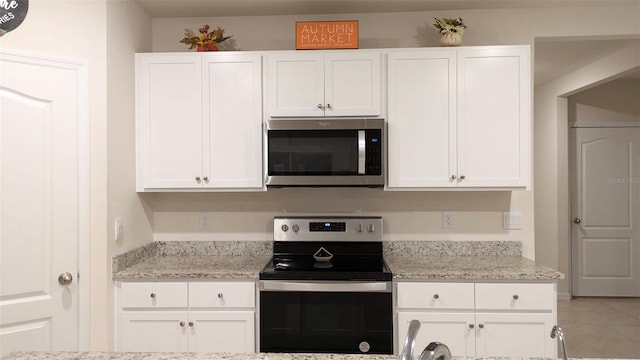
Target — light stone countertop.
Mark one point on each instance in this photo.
(469, 268)
(213, 356)
(429, 260)
(195, 267)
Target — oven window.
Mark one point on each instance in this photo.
(325, 322)
(313, 152)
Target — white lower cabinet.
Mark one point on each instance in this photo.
(186, 317)
(480, 319)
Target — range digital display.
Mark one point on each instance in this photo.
(328, 226)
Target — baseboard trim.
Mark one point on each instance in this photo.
(564, 296)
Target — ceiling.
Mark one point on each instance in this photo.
(553, 57)
(199, 8)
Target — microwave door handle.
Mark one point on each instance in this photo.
(362, 153)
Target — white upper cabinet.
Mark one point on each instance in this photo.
(422, 118)
(494, 117)
(168, 121)
(459, 118)
(344, 83)
(199, 121)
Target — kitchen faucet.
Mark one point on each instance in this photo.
(436, 351)
(410, 341)
(433, 351)
(557, 331)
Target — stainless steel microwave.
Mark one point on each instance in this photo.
(325, 152)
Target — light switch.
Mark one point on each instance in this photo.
(118, 230)
(512, 220)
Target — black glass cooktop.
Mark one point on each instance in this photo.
(327, 261)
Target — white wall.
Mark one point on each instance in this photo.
(128, 32)
(77, 30)
(614, 101)
(551, 165)
(408, 215)
(105, 35)
(412, 29)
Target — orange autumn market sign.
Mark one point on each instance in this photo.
(327, 35)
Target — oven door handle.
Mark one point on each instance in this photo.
(326, 286)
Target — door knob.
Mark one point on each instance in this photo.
(65, 279)
(577, 220)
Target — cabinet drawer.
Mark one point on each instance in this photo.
(515, 296)
(417, 295)
(153, 294)
(222, 294)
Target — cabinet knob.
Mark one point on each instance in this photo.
(453, 177)
(198, 178)
(328, 106)
(190, 323)
(436, 296)
(181, 323)
(220, 296)
(481, 326)
(153, 295)
(516, 297)
(577, 221)
(462, 177)
(206, 179)
(471, 326)
(320, 106)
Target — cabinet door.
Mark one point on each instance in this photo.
(232, 109)
(422, 119)
(296, 84)
(156, 331)
(352, 84)
(516, 334)
(494, 117)
(168, 121)
(222, 331)
(453, 329)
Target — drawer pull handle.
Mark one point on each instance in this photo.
(516, 297)
(436, 296)
(153, 295)
(181, 323)
(481, 326)
(471, 326)
(220, 296)
(190, 323)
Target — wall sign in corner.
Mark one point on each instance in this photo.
(326, 34)
(12, 14)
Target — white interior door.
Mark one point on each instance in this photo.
(40, 206)
(606, 211)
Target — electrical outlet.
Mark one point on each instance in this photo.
(205, 221)
(512, 220)
(448, 220)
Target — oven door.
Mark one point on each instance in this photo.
(326, 317)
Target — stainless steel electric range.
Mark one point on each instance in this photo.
(327, 288)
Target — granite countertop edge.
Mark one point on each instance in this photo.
(452, 268)
(217, 356)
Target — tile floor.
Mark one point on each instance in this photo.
(601, 327)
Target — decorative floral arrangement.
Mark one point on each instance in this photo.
(449, 26)
(205, 41)
(451, 30)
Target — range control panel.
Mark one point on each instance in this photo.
(363, 228)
